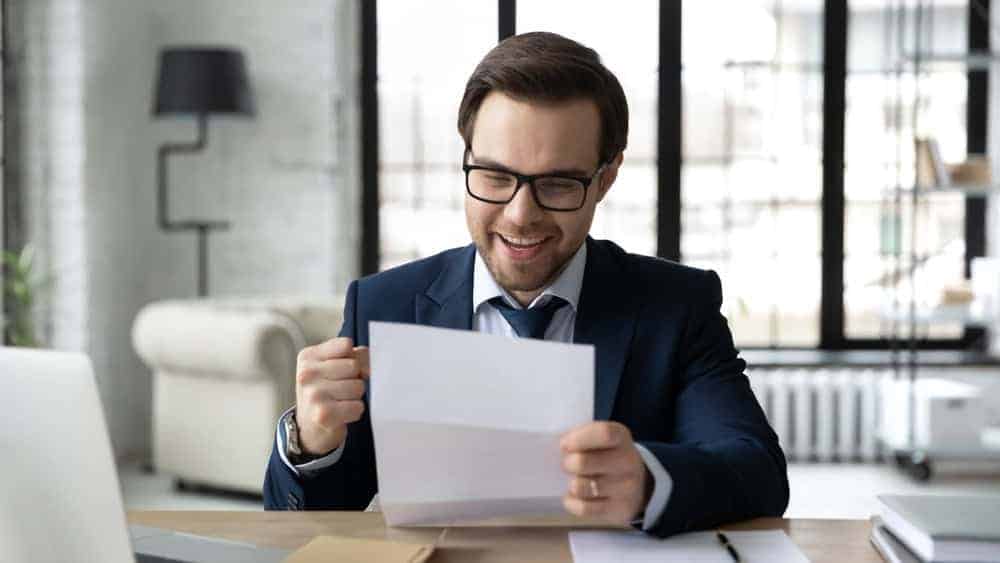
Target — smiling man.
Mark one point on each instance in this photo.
(680, 442)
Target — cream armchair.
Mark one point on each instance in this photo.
(223, 371)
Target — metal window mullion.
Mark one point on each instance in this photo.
(977, 112)
(369, 139)
(833, 216)
(669, 132)
(507, 18)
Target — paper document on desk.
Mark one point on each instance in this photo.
(467, 425)
(771, 546)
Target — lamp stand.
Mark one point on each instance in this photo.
(203, 228)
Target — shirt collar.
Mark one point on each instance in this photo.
(566, 286)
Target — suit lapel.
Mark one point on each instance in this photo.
(606, 319)
(447, 303)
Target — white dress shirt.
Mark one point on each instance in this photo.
(488, 319)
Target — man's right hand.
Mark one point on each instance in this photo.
(329, 385)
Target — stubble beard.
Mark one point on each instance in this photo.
(525, 278)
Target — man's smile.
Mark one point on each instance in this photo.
(522, 248)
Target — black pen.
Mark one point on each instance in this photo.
(729, 547)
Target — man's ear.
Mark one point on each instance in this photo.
(609, 175)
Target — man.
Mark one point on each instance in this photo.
(680, 442)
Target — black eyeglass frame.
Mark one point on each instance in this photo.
(530, 180)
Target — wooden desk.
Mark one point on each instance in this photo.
(821, 540)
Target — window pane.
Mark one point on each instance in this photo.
(895, 254)
(423, 63)
(628, 42)
(752, 169)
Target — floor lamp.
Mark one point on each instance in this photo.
(197, 82)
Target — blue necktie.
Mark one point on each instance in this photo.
(529, 323)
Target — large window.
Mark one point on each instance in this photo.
(817, 246)
(627, 41)
(897, 91)
(752, 167)
(424, 60)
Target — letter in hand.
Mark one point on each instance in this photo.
(608, 479)
(329, 386)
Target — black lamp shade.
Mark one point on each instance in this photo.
(202, 81)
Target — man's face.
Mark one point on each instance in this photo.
(523, 245)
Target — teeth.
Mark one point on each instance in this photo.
(518, 241)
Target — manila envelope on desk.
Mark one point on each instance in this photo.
(323, 549)
(467, 425)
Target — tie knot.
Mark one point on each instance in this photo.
(529, 323)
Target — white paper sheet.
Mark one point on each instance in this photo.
(467, 425)
(771, 546)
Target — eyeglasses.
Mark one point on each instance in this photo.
(551, 192)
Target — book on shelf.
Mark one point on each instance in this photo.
(931, 170)
(933, 174)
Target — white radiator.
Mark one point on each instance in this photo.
(822, 414)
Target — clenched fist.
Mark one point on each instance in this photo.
(329, 384)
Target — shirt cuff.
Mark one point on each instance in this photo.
(309, 468)
(662, 487)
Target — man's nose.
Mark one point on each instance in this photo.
(523, 209)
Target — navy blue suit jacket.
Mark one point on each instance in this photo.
(666, 368)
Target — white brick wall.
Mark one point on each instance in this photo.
(281, 179)
(52, 122)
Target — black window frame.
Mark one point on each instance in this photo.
(670, 159)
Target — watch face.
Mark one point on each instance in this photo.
(291, 436)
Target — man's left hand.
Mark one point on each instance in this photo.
(608, 478)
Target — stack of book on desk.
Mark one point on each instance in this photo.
(926, 528)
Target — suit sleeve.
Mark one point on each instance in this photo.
(350, 483)
(724, 458)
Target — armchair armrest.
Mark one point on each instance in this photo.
(203, 338)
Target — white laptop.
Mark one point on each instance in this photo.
(58, 484)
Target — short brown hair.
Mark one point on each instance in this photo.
(548, 67)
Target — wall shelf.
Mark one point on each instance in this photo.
(942, 314)
(971, 61)
(971, 190)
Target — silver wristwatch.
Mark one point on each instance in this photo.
(293, 450)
